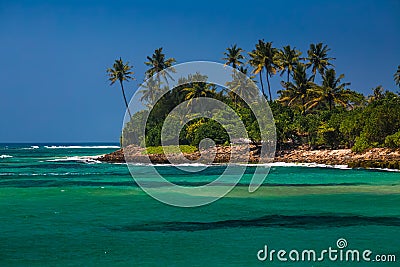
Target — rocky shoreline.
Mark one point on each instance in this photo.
(373, 158)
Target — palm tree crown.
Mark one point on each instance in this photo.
(256, 62)
(241, 86)
(197, 90)
(121, 72)
(152, 90)
(233, 56)
(377, 94)
(264, 56)
(332, 91)
(288, 59)
(318, 58)
(296, 92)
(158, 63)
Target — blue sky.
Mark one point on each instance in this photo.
(53, 56)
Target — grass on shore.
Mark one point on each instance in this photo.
(169, 149)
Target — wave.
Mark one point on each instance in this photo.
(384, 169)
(57, 183)
(169, 165)
(31, 147)
(274, 164)
(81, 147)
(52, 174)
(5, 156)
(84, 159)
(315, 165)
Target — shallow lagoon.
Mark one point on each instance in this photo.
(58, 208)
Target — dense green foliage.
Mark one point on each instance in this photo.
(315, 107)
(374, 125)
(170, 149)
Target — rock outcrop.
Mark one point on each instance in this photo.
(221, 154)
(373, 158)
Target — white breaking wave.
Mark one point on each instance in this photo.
(168, 165)
(5, 156)
(32, 147)
(274, 164)
(74, 147)
(384, 169)
(85, 159)
(294, 164)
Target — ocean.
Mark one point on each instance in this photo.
(60, 207)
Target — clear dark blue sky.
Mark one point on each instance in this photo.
(53, 56)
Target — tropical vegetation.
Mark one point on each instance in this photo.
(318, 113)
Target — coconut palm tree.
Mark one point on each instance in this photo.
(151, 91)
(195, 86)
(241, 86)
(264, 56)
(196, 90)
(157, 63)
(397, 76)
(297, 92)
(332, 91)
(121, 72)
(287, 59)
(245, 71)
(256, 62)
(378, 93)
(318, 58)
(233, 56)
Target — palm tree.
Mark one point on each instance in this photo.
(264, 56)
(256, 62)
(151, 91)
(297, 92)
(233, 56)
(397, 76)
(196, 90)
(318, 58)
(331, 92)
(288, 59)
(377, 94)
(245, 71)
(241, 86)
(158, 63)
(121, 72)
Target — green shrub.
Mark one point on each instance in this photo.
(393, 141)
(210, 129)
(169, 149)
(361, 144)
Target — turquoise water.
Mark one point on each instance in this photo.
(60, 208)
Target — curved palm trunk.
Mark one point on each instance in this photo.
(126, 103)
(262, 85)
(269, 87)
(315, 74)
(288, 76)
